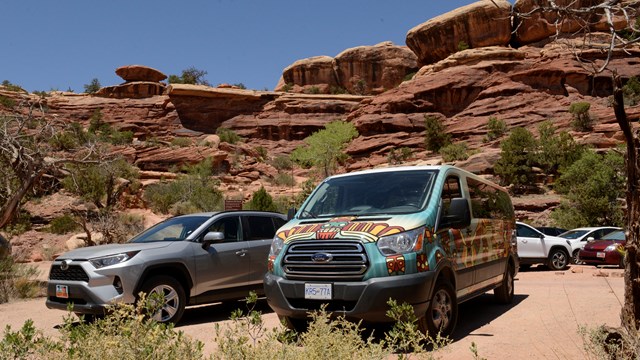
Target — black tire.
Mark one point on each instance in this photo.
(525, 267)
(504, 293)
(558, 259)
(298, 325)
(576, 257)
(173, 294)
(442, 313)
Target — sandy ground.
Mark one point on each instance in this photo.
(541, 323)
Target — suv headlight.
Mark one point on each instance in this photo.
(112, 259)
(276, 246)
(401, 243)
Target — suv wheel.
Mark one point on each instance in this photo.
(504, 293)
(172, 293)
(558, 259)
(576, 257)
(442, 313)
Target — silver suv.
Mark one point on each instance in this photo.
(189, 260)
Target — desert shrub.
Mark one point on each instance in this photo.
(190, 75)
(282, 162)
(239, 86)
(603, 342)
(20, 224)
(593, 187)
(262, 153)
(462, 45)
(409, 76)
(454, 152)
(515, 165)
(631, 91)
(359, 87)
(17, 280)
(556, 151)
(92, 87)
(312, 90)
(582, 120)
(194, 191)
(398, 156)
(283, 179)
(337, 90)
(63, 225)
(324, 148)
(261, 200)
(435, 135)
(63, 141)
(12, 87)
(181, 142)
(121, 137)
(495, 128)
(227, 135)
(7, 102)
(287, 87)
(117, 228)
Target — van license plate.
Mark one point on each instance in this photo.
(601, 255)
(317, 291)
(62, 291)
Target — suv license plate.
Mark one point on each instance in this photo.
(317, 291)
(62, 291)
(601, 255)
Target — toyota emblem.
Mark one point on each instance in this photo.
(65, 264)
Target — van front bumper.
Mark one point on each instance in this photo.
(366, 300)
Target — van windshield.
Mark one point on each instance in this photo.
(389, 192)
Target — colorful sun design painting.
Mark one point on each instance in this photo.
(396, 265)
(422, 263)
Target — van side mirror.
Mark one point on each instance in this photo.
(291, 213)
(211, 237)
(459, 215)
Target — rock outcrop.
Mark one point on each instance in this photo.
(483, 23)
(140, 82)
(132, 73)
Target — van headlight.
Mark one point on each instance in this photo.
(276, 246)
(112, 259)
(400, 243)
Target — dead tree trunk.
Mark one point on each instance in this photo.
(630, 314)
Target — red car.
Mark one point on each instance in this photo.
(609, 250)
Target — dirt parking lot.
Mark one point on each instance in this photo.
(542, 322)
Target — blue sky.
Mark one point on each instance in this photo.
(57, 45)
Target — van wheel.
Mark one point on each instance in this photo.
(442, 313)
(558, 259)
(170, 292)
(504, 292)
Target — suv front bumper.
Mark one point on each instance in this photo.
(365, 300)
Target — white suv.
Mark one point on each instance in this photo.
(535, 247)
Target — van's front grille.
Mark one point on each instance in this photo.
(330, 260)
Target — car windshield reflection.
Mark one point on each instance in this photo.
(174, 229)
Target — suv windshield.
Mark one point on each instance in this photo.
(174, 229)
(617, 235)
(389, 192)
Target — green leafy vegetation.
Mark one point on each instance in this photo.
(594, 187)
(287, 87)
(181, 142)
(190, 75)
(631, 91)
(515, 165)
(312, 90)
(398, 156)
(582, 120)
(454, 152)
(7, 102)
(92, 87)
(435, 135)
(462, 45)
(324, 148)
(12, 87)
(337, 90)
(261, 200)
(194, 191)
(495, 128)
(17, 280)
(227, 135)
(63, 224)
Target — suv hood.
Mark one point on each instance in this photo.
(111, 249)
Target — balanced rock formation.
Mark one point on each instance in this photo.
(483, 23)
(140, 82)
(140, 73)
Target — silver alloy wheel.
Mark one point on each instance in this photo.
(559, 259)
(442, 309)
(576, 257)
(171, 302)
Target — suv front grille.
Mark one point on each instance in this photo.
(348, 260)
(73, 273)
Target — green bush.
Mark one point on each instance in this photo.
(64, 141)
(181, 142)
(582, 120)
(92, 87)
(190, 75)
(324, 148)
(462, 45)
(17, 280)
(495, 128)
(227, 135)
(409, 76)
(515, 165)
(12, 87)
(556, 151)
(262, 153)
(312, 90)
(337, 90)
(287, 87)
(594, 187)
(435, 135)
(282, 162)
(398, 156)
(7, 102)
(63, 225)
(454, 152)
(261, 200)
(631, 91)
(283, 179)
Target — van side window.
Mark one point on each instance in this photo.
(451, 190)
(488, 202)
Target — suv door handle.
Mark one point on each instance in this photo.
(242, 252)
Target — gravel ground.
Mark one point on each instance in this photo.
(541, 323)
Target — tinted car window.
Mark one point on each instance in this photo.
(229, 226)
(525, 231)
(174, 229)
(259, 228)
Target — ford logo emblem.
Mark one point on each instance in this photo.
(321, 257)
(65, 265)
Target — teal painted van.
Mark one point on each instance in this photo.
(429, 236)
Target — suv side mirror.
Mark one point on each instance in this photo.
(590, 238)
(459, 215)
(210, 238)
